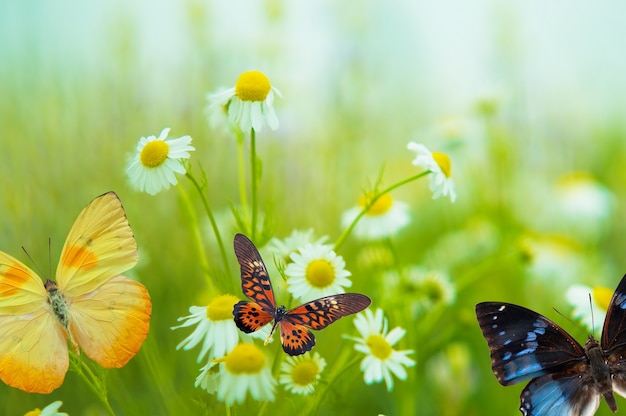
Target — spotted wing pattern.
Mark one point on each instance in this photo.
(296, 338)
(250, 316)
(320, 313)
(294, 324)
(255, 281)
(317, 314)
(524, 344)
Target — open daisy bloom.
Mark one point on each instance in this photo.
(316, 271)
(243, 370)
(157, 160)
(384, 218)
(249, 102)
(381, 360)
(299, 374)
(215, 327)
(283, 248)
(441, 183)
(49, 410)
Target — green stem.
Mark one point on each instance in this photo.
(243, 195)
(342, 238)
(209, 213)
(339, 369)
(95, 383)
(197, 237)
(253, 184)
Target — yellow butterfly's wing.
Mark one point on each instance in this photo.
(100, 245)
(111, 322)
(109, 314)
(33, 344)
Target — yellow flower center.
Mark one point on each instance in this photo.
(443, 161)
(154, 153)
(602, 297)
(252, 86)
(245, 359)
(35, 412)
(380, 206)
(221, 308)
(379, 347)
(320, 273)
(304, 373)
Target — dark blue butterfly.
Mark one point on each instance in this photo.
(566, 379)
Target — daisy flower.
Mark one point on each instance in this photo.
(157, 160)
(283, 248)
(299, 374)
(384, 218)
(582, 205)
(587, 312)
(316, 271)
(439, 165)
(215, 329)
(556, 258)
(381, 360)
(49, 410)
(249, 102)
(423, 289)
(244, 370)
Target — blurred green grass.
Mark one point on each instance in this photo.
(69, 126)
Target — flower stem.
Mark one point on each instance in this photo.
(339, 368)
(93, 381)
(370, 202)
(243, 194)
(211, 217)
(197, 237)
(253, 184)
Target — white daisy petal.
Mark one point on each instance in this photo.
(215, 329)
(250, 102)
(441, 184)
(157, 160)
(316, 271)
(381, 361)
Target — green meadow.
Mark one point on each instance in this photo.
(526, 101)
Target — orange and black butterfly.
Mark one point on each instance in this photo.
(294, 324)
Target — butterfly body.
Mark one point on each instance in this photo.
(90, 303)
(566, 379)
(600, 371)
(57, 302)
(294, 324)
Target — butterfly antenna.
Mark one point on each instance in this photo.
(49, 256)
(593, 322)
(31, 260)
(574, 323)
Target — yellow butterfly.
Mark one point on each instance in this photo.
(91, 304)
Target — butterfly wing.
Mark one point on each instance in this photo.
(568, 393)
(109, 313)
(250, 316)
(33, 345)
(524, 344)
(111, 322)
(255, 281)
(317, 314)
(614, 330)
(613, 339)
(99, 246)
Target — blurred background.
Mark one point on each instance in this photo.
(526, 97)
